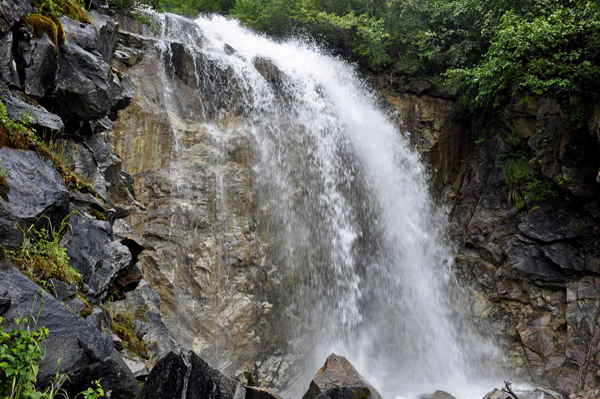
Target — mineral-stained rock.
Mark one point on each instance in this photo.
(35, 189)
(85, 352)
(337, 372)
(351, 392)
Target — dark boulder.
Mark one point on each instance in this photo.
(205, 381)
(11, 11)
(36, 189)
(18, 105)
(351, 392)
(86, 87)
(94, 253)
(85, 353)
(260, 393)
(549, 223)
(36, 61)
(168, 379)
(337, 372)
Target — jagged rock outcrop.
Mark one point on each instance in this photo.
(339, 379)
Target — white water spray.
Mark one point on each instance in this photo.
(347, 205)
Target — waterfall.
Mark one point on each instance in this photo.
(343, 202)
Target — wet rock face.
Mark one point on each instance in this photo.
(203, 254)
(11, 11)
(437, 128)
(533, 273)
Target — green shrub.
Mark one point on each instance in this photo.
(41, 257)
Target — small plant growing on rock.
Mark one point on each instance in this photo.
(124, 328)
(3, 182)
(40, 257)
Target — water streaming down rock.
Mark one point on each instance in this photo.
(290, 208)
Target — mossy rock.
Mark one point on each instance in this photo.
(4, 188)
(42, 25)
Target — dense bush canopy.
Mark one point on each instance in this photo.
(482, 48)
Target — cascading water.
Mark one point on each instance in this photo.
(345, 206)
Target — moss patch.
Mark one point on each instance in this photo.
(124, 328)
(98, 215)
(71, 8)
(4, 188)
(42, 25)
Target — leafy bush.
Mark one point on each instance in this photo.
(20, 352)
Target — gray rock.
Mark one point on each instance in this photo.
(95, 318)
(137, 366)
(437, 395)
(94, 254)
(11, 11)
(529, 260)
(205, 381)
(117, 342)
(83, 34)
(166, 380)
(564, 256)
(82, 161)
(141, 328)
(548, 224)
(36, 62)
(75, 304)
(116, 378)
(86, 86)
(17, 107)
(71, 337)
(107, 33)
(85, 201)
(35, 189)
(497, 394)
(8, 71)
(62, 290)
(101, 125)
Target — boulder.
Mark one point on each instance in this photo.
(86, 86)
(548, 224)
(35, 189)
(36, 61)
(352, 392)
(85, 353)
(337, 372)
(260, 393)
(166, 380)
(437, 395)
(497, 394)
(173, 373)
(94, 253)
(11, 11)
(18, 105)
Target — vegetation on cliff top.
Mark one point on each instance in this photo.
(483, 50)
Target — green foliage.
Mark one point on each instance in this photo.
(515, 169)
(124, 328)
(514, 139)
(553, 50)
(41, 257)
(92, 393)
(19, 353)
(539, 191)
(562, 180)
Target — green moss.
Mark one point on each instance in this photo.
(42, 25)
(124, 328)
(2, 253)
(97, 214)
